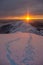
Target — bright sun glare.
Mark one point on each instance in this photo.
(27, 18)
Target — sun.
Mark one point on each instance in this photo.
(27, 18)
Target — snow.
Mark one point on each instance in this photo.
(19, 26)
(21, 48)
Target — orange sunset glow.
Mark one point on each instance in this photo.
(24, 17)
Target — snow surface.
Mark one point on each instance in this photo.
(21, 49)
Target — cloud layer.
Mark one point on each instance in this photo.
(18, 7)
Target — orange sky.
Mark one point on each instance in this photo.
(24, 17)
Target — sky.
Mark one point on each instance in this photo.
(20, 7)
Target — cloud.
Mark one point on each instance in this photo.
(18, 7)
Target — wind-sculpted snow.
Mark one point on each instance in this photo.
(19, 26)
(12, 62)
(21, 49)
(28, 54)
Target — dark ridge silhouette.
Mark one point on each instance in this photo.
(37, 24)
(5, 29)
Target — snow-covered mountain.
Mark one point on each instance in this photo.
(24, 46)
(20, 26)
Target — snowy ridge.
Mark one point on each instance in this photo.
(19, 26)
